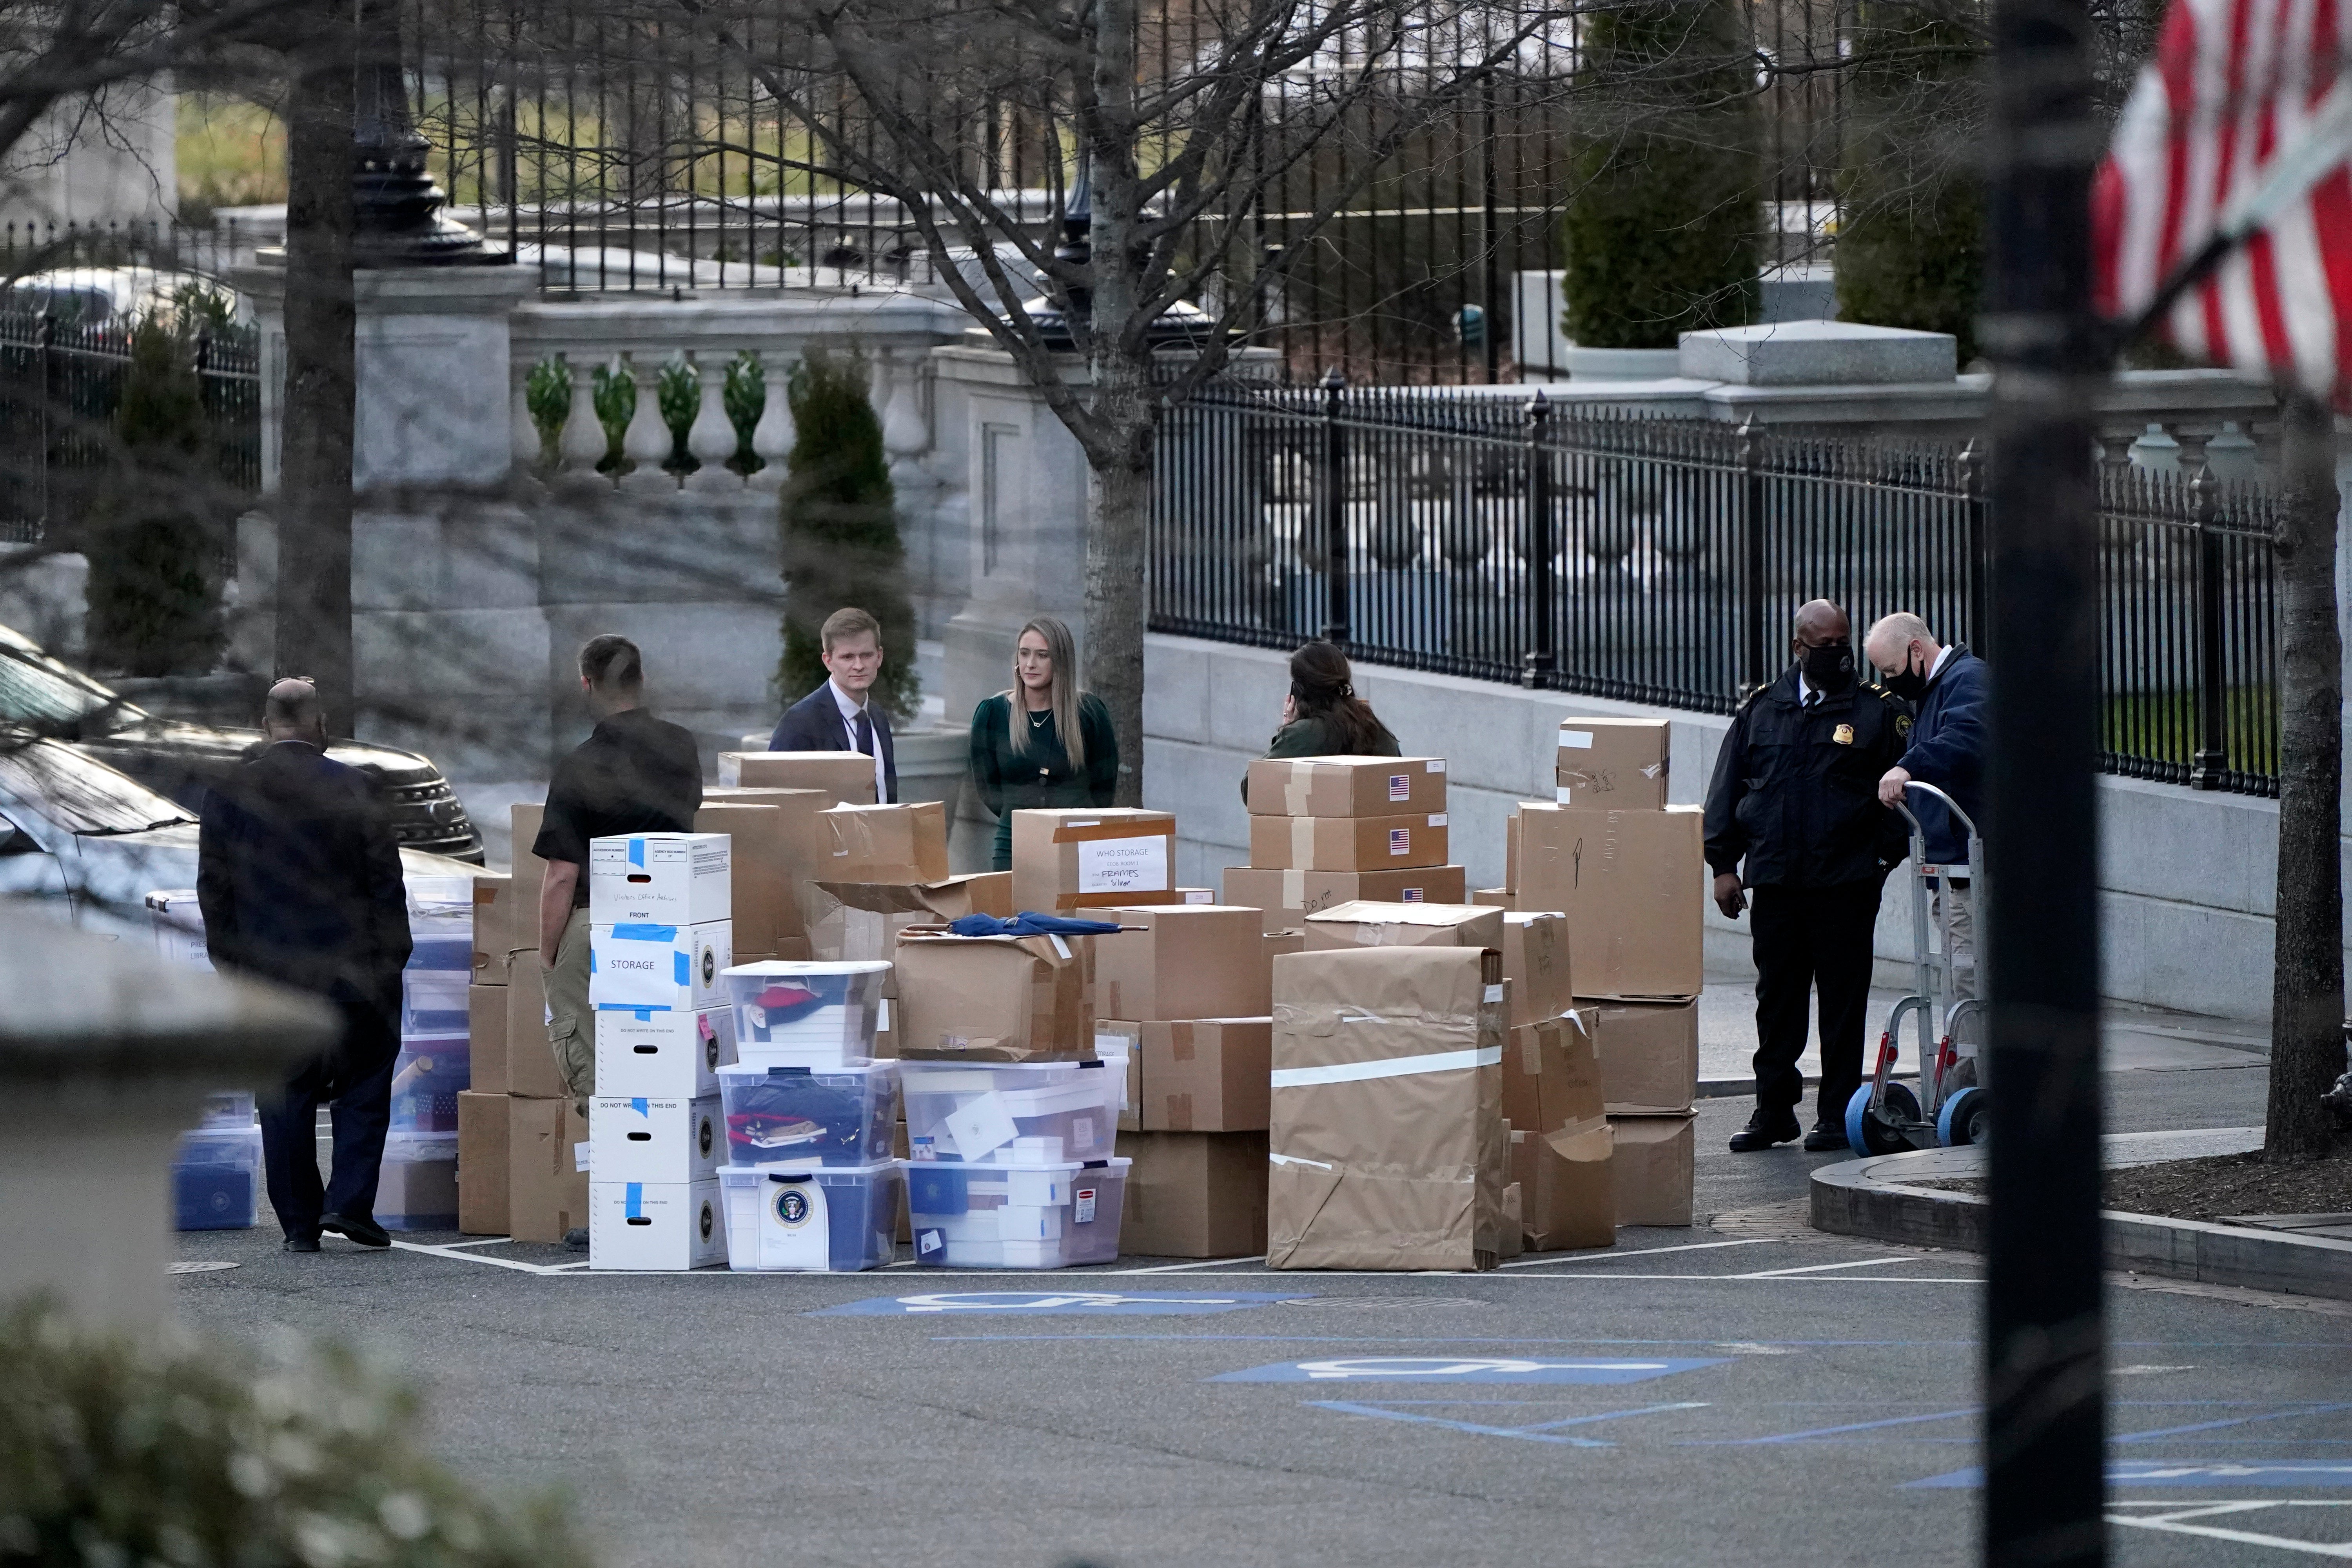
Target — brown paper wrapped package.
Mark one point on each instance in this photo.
(993, 998)
(1386, 1137)
(1289, 897)
(1365, 923)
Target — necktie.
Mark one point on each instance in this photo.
(865, 730)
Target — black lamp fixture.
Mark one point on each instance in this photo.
(397, 219)
(1182, 325)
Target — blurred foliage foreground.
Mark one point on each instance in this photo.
(199, 1452)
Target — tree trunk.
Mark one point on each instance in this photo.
(2308, 977)
(314, 511)
(1121, 493)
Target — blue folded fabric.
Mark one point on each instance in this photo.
(1028, 922)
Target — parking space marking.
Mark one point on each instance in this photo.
(2177, 1520)
(2232, 1421)
(1542, 1432)
(2185, 1474)
(1819, 1432)
(1610, 1255)
(1186, 1267)
(517, 1264)
(1468, 1369)
(1821, 1268)
(1036, 1303)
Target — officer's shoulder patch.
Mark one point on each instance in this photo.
(1902, 724)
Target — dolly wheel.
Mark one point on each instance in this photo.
(1965, 1118)
(1880, 1132)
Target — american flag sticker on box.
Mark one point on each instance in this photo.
(1400, 840)
(1400, 786)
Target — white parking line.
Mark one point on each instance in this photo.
(1181, 1267)
(1820, 1268)
(2174, 1520)
(1610, 1256)
(516, 1264)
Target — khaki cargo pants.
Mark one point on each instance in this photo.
(570, 1022)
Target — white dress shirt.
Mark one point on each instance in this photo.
(850, 709)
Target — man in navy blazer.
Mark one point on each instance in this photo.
(298, 879)
(1947, 686)
(840, 716)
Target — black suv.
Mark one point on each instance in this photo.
(173, 758)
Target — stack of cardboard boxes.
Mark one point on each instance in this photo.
(1332, 830)
(661, 935)
(1184, 994)
(1627, 871)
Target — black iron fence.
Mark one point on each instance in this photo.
(62, 373)
(1663, 561)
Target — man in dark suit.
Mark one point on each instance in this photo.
(299, 882)
(839, 715)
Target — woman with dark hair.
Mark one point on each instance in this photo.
(1043, 743)
(1323, 717)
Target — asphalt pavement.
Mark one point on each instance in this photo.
(1741, 1391)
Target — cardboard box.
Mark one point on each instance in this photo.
(501, 926)
(1632, 884)
(417, 1195)
(1347, 786)
(1511, 857)
(1491, 897)
(1567, 1182)
(1278, 942)
(1614, 764)
(1551, 1074)
(1386, 1133)
(531, 1060)
(847, 778)
(1535, 960)
(1515, 1236)
(1649, 1057)
(1653, 1168)
(482, 1159)
(1182, 961)
(1193, 1195)
(1188, 895)
(486, 1036)
(1074, 859)
(547, 1169)
(993, 998)
(769, 854)
(670, 967)
(861, 921)
(660, 878)
(644, 1138)
(1117, 1042)
(661, 1226)
(655, 1052)
(897, 844)
(1368, 924)
(1203, 1075)
(1289, 897)
(1347, 843)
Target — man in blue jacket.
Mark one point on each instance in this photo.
(840, 715)
(1947, 684)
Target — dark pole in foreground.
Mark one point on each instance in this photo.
(2045, 1365)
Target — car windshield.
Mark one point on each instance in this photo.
(76, 794)
(36, 695)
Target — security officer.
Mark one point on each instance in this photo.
(1795, 796)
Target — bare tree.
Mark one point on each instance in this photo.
(2308, 973)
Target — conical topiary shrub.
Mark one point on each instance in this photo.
(840, 527)
(156, 521)
(1663, 224)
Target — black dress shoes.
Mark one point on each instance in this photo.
(1824, 1138)
(1763, 1131)
(299, 1244)
(366, 1232)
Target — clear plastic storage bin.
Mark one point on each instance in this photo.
(797, 1115)
(1016, 1217)
(416, 1184)
(790, 1013)
(826, 1218)
(216, 1179)
(425, 1078)
(964, 1111)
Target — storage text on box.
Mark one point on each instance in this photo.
(1123, 865)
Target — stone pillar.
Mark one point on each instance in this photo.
(106, 1052)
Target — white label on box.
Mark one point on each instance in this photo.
(1400, 840)
(1437, 819)
(1437, 764)
(1575, 739)
(1400, 786)
(1411, 896)
(580, 1153)
(882, 1016)
(1083, 1206)
(1559, 795)
(1082, 1134)
(981, 1127)
(1199, 896)
(1124, 865)
(793, 1230)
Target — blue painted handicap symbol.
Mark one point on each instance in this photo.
(1470, 1369)
(2193, 1473)
(1045, 1303)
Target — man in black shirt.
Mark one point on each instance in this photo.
(635, 774)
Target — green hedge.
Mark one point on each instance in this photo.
(841, 543)
(1662, 227)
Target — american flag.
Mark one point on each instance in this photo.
(2228, 164)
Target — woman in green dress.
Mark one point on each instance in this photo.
(1045, 743)
(1323, 717)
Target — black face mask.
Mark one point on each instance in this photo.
(1828, 669)
(1907, 683)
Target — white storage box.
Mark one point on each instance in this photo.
(642, 1139)
(663, 1226)
(790, 1013)
(216, 1178)
(1008, 1216)
(804, 1116)
(650, 966)
(417, 1185)
(959, 1110)
(179, 926)
(832, 1218)
(652, 1050)
(660, 878)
